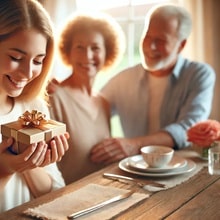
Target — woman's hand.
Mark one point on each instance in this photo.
(32, 157)
(36, 155)
(51, 153)
(57, 147)
(52, 86)
(5, 158)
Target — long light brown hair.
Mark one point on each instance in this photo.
(17, 15)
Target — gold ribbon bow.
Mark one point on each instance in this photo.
(33, 119)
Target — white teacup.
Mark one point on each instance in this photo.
(157, 156)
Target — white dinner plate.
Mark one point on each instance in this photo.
(124, 165)
(137, 162)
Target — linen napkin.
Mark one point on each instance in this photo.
(85, 197)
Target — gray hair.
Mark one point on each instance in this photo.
(180, 13)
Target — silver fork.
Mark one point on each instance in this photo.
(139, 182)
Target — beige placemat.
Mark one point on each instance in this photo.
(85, 197)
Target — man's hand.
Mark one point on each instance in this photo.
(113, 149)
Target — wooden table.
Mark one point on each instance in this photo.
(197, 198)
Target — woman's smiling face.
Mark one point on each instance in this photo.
(21, 60)
(88, 53)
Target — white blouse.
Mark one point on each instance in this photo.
(16, 191)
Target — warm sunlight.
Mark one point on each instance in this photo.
(100, 4)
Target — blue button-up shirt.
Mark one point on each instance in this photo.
(187, 100)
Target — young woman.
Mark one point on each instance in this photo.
(26, 52)
(89, 43)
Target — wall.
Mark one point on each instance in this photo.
(211, 20)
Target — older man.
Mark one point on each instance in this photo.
(159, 99)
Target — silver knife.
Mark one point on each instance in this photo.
(100, 205)
(139, 182)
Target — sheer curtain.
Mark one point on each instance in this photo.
(57, 9)
(204, 43)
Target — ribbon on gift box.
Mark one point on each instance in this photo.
(33, 119)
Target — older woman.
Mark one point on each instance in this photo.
(89, 43)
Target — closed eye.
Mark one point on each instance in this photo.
(95, 48)
(38, 61)
(15, 58)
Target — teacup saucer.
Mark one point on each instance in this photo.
(137, 162)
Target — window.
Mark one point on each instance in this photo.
(130, 14)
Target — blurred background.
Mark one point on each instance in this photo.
(203, 44)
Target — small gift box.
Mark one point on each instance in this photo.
(31, 127)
